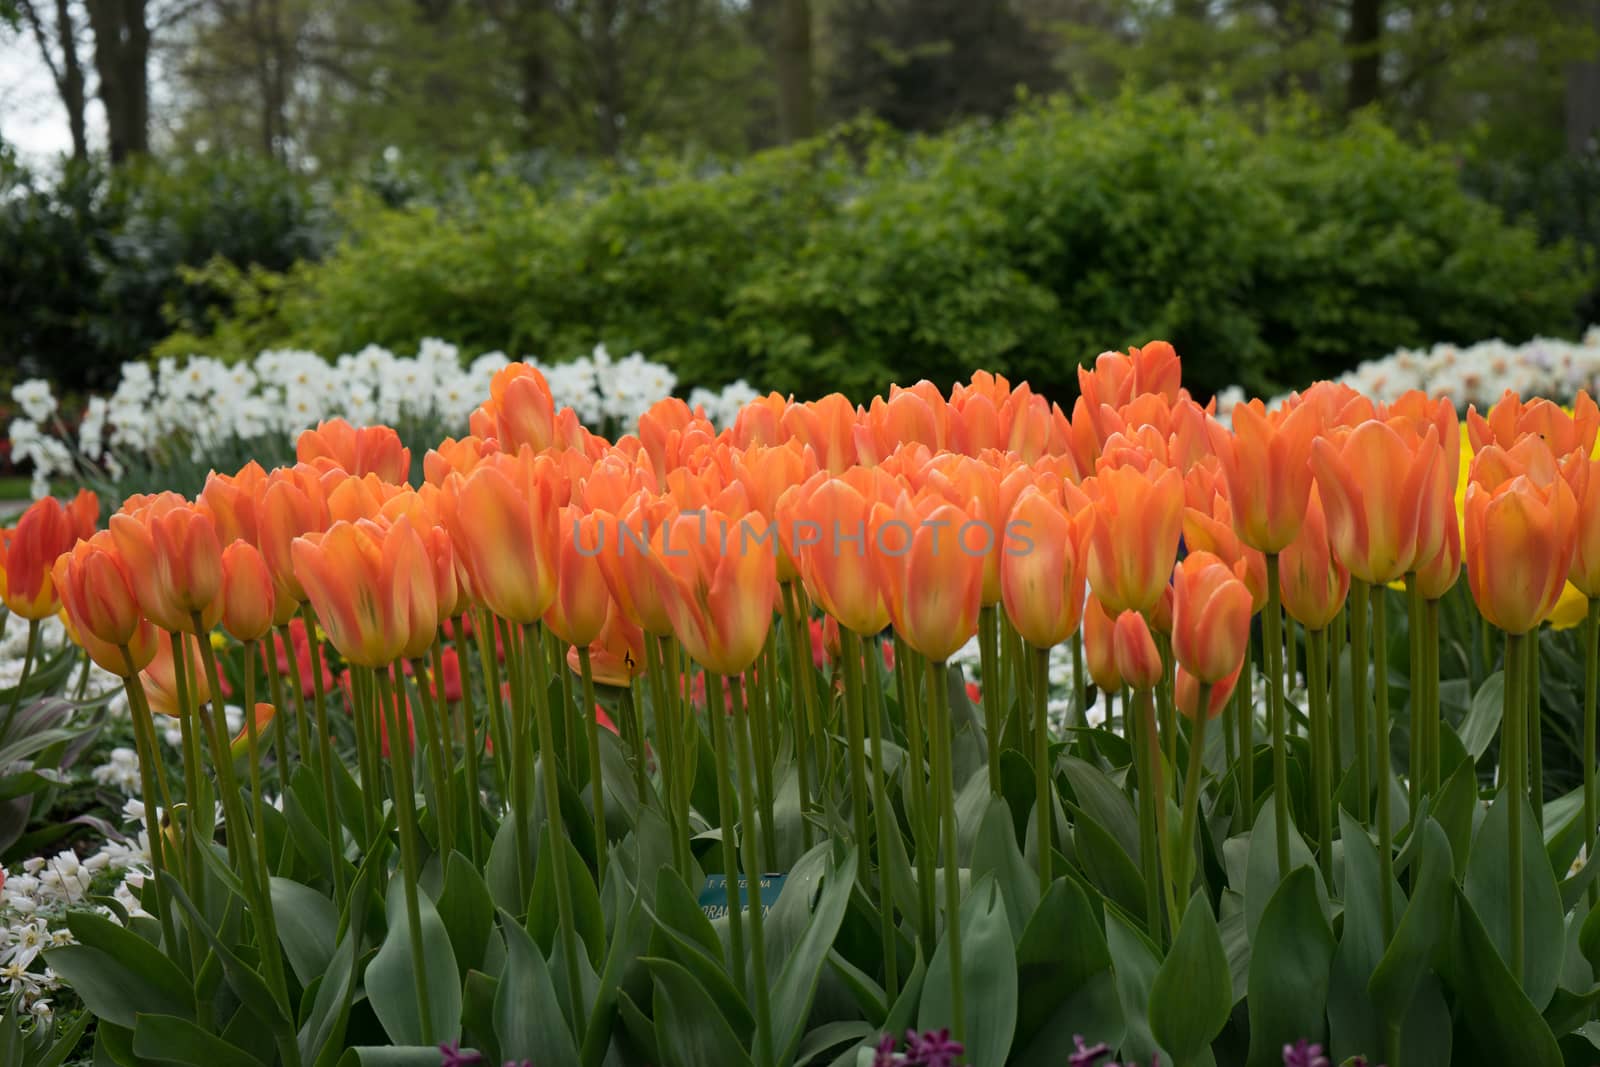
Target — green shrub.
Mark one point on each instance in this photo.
(90, 261)
(1268, 251)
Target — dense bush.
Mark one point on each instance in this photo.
(1269, 252)
(90, 261)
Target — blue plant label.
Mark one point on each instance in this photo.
(714, 897)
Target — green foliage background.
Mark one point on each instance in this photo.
(1268, 248)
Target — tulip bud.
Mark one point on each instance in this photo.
(583, 601)
(28, 554)
(1133, 540)
(1138, 660)
(1186, 692)
(1314, 583)
(1099, 647)
(247, 596)
(1211, 617)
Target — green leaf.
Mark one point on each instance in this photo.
(1289, 969)
(1135, 964)
(110, 990)
(700, 953)
(1423, 928)
(1488, 886)
(1193, 991)
(996, 852)
(587, 913)
(175, 1040)
(689, 1030)
(1110, 807)
(796, 984)
(1502, 1020)
(1262, 876)
(308, 927)
(988, 979)
(1062, 948)
(528, 1020)
(1106, 864)
(138, 957)
(467, 911)
(391, 1056)
(1482, 723)
(390, 983)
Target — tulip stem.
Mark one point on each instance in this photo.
(939, 731)
(438, 756)
(1359, 652)
(1165, 706)
(1044, 808)
(1321, 754)
(1272, 634)
(855, 743)
(1140, 724)
(1080, 716)
(469, 725)
(499, 728)
(1591, 681)
(926, 821)
(802, 733)
(884, 814)
(989, 665)
(1335, 650)
(672, 761)
(370, 727)
(280, 745)
(319, 704)
(761, 737)
(1183, 869)
(241, 831)
(554, 826)
(145, 742)
(191, 771)
(1513, 772)
(1380, 648)
(1430, 680)
(257, 814)
(301, 714)
(802, 694)
(1244, 710)
(1534, 714)
(716, 719)
(750, 838)
(1418, 760)
(597, 783)
(411, 864)
(28, 655)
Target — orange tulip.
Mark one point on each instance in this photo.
(1520, 538)
(1042, 570)
(503, 521)
(1186, 692)
(101, 608)
(973, 485)
(1099, 647)
(617, 656)
(1136, 522)
(932, 577)
(239, 747)
(1210, 617)
(1512, 419)
(1583, 475)
(351, 499)
(719, 581)
(1117, 378)
(233, 500)
(1211, 529)
(372, 588)
(1138, 661)
(1438, 575)
(368, 450)
(160, 678)
(766, 474)
(582, 602)
(292, 503)
(453, 456)
(1313, 581)
(247, 597)
(833, 526)
(760, 422)
(1374, 488)
(27, 555)
(827, 427)
(629, 540)
(175, 561)
(1266, 461)
(83, 513)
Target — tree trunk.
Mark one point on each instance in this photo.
(67, 72)
(122, 60)
(792, 64)
(1583, 87)
(1366, 55)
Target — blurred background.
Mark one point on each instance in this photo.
(809, 194)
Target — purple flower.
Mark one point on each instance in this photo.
(1304, 1054)
(1087, 1056)
(452, 1055)
(932, 1048)
(883, 1055)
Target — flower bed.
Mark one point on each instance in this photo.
(1038, 736)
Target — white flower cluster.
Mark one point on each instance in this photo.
(1473, 374)
(35, 900)
(201, 403)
